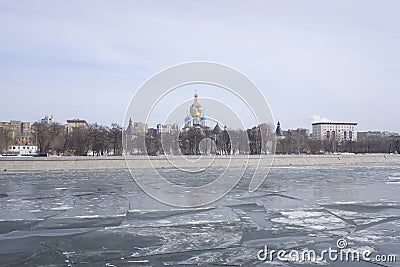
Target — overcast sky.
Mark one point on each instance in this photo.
(312, 59)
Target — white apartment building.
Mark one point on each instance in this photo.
(167, 128)
(47, 120)
(339, 131)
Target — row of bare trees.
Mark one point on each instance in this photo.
(103, 140)
(299, 144)
(196, 141)
(204, 141)
(96, 139)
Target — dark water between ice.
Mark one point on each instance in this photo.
(103, 219)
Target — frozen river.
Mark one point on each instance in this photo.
(103, 218)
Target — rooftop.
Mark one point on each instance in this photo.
(342, 123)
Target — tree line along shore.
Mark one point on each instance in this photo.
(99, 140)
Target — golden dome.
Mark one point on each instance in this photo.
(195, 112)
(196, 109)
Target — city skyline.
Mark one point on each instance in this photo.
(50, 120)
(311, 60)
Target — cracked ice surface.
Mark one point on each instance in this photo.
(103, 218)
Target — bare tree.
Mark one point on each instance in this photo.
(98, 139)
(50, 137)
(190, 141)
(115, 138)
(5, 140)
(42, 133)
(78, 141)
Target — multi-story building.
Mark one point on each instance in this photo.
(76, 123)
(338, 131)
(297, 132)
(140, 128)
(18, 131)
(375, 135)
(167, 128)
(47, 120)
(136, 128)
(152, 132)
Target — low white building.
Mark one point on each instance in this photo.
(23, 149)
(339, 131)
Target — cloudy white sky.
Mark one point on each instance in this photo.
(84, 59)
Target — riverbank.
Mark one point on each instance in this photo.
(119, 162)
